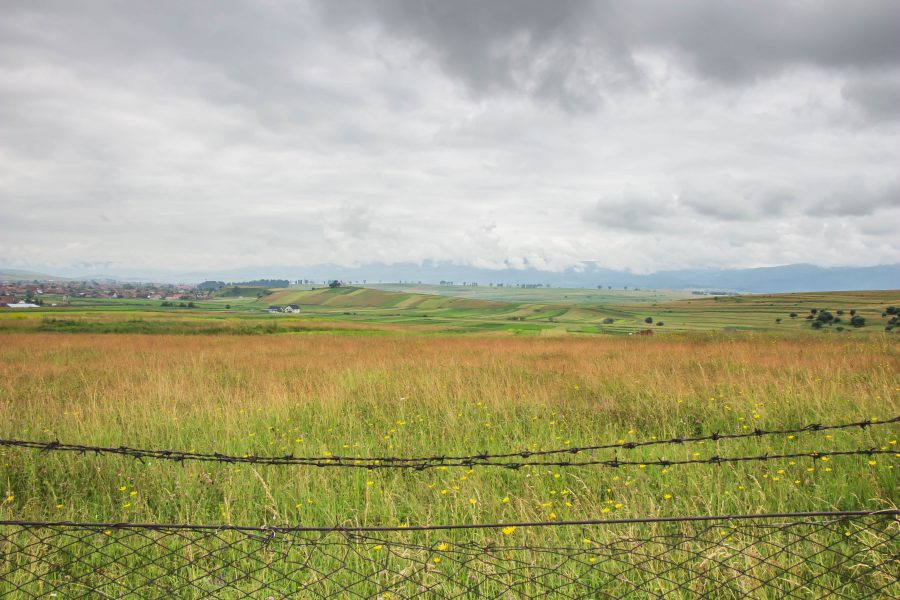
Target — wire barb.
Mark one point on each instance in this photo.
(481, 459)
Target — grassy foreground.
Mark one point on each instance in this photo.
(415, 395)
(423, 395)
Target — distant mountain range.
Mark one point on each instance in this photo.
(787, 278)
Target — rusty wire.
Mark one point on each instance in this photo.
(480, 459)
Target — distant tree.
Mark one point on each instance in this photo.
(852, 311)
(190, 305)
(334, 283)
(839, 312)
(227, 307)
(607, 321)
(817, 324)
(824, 316)
(660, 324)
(858, 321)
(648, 320)
(813, 311)
(778, 320)
(793, 315)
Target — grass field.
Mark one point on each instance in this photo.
(383, 381)
(425, 395)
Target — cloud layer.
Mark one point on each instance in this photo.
(643, 135)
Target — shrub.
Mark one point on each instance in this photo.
(858, 321)
(607, 320)
(793, 315)
(648, 320)
(817, 324)
(660, 324)
(824, 316)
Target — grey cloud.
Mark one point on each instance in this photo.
(636, 211)
(739, 41)
(572, 54)
(737, 201)
(857, 200)
(546, 50)
(878, 96)
(354, 220)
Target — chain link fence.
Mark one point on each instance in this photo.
(842, 555)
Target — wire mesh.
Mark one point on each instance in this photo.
(760, 556)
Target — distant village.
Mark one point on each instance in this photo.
(34, 294)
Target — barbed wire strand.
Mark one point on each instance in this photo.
(482, 459)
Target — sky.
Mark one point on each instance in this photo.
(640, 135)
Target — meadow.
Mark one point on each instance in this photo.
(431, 395)
(359, 386)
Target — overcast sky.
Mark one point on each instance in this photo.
(643, 135)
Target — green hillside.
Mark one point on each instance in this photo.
(629, 315)
(355, 297)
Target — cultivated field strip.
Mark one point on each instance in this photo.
(800, 555)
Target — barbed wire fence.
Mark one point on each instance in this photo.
(483, 459)
(785, 555)
(793, 555)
